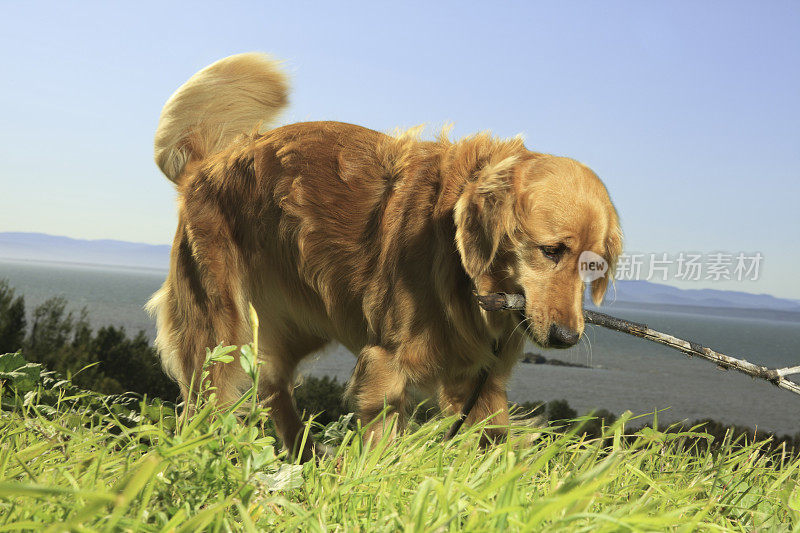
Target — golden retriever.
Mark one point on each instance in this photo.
(337, 232)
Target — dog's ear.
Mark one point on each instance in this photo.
(613, 247)
(483, 215)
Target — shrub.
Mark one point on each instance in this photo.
(322, 397)
(12, 319)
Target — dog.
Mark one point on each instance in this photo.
(335, 232)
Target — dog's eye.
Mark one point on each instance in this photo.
(554, 253)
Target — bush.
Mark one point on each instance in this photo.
(560, 410)
(12, 319)
(106, 361)
(322, 397)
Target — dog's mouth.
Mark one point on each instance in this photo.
(526, 325)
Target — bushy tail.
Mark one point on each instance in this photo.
(225, 99)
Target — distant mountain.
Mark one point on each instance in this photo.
(646, 292)
(42, 247)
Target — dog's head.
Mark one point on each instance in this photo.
(521, 226)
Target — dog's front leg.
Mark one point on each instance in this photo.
(378, 387)
(492, 402)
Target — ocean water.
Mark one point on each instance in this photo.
(112, 296)
(627, 373)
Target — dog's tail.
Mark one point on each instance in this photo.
(235, 95)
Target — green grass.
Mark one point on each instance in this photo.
(76, 460)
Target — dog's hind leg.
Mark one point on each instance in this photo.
(279, 353)
(199, 306)
(378, 387)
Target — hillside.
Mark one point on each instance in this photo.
(657, 293)
(51, 248)
(76, 460)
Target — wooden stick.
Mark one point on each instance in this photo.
(501, 301)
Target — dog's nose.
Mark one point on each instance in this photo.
(562, 337)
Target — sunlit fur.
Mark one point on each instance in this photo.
(337, 232)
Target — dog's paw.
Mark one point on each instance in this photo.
(316, 451)
(323, 451)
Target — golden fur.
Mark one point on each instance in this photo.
(336, 232)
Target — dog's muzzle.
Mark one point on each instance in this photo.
(562, 337)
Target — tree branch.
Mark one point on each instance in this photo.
(500, 301)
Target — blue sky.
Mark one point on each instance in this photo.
(689, 111)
